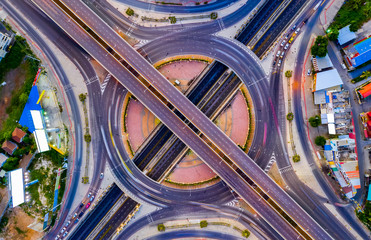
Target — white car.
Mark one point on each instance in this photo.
(343, 66)
(278, 53)
(287, 46)
(282, 54)
(283, 43)
(309, 72)
(279, 62)
(63, 229)
(297, 30)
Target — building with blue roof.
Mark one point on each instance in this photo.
(26, 117)
(359, 52)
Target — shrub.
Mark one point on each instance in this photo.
(172, 20)
(87, 138)
(82, 97)
(320, 46)
(203, 224)
(320, 141)
(245, 233)
(290, 116)
(214, 15)
(288, 74)
(130, 12)
(296, 158)
(161, 227)
(315, 121)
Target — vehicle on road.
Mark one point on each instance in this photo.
(282, 54)
(77, 219)
(287, 46)
(279, 62)
(74, 216)
(68, 223)
(309, 72)
(291, 39)
(92, 198)
(81, 213)
(65, 234)
(297, 30)
(343, 66)
(278, 53)
(87, 205)
(274, 63)
(293, 27)
(57, 237)
(81, 205)
(63, 229)
(101, 176)
(283, 42)
(89, 194)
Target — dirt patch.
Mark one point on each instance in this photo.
(14, 80)
(101, 72)
(17, 227)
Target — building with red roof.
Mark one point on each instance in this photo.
(9, 147)
(18, 135)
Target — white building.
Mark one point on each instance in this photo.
(5, 40)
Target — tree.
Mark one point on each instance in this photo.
(333, 34)
(11, 164)
(87, 138)
(366, 74)
(288, 73)
(82, 97)
(245, 233)
(203, 224)
(172, 20)
(23, 98)
(320, 46)
(315, 121)
(214, 15)
(320, 141)
(161, 227)
(130, 12)
(296, 158)
(290, 116)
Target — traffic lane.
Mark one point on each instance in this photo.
(115, 221)
(212, 6)
(116, 19)
(192, 213)
(181, 234)
(95, 216)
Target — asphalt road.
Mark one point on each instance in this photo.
(213, 6)
(181, 234)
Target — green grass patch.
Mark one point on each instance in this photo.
(354, 13)
(365, 215)
(13, 60)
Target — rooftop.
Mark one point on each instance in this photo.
(345, 35)
(9, 147)
(327, 79)
(18, 135)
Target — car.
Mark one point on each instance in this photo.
(278, 53)
(68, 223)
(63, 229)
(65, 234)
(279, 62)
(274, 63)
(309, 72)
(282, 54)
(297, 30)
(293, 27)
(57, 237)
(287, 46)
(77, 219)
(291, 39)
(101, 176)
(81, 213)
(92, 198)
(81, 205)
(287, 36)
(283, 42)
(89, 194)
(75, 215)
(343, 66)
(88, 205)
